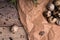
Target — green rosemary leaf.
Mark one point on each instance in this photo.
(13, 2)
(35, 2)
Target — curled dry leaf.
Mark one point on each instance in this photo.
(33, 20)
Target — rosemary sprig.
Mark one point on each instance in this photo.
(13, 2)
(35, 2)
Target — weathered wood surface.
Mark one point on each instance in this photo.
(8, 15)
(6, 34)
(8, 18)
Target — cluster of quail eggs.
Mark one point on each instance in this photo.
(52, 13)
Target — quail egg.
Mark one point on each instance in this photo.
(52, 20)
(58, 22)
(51, 7)
(48, 13)
(14, 29)
(57, 4)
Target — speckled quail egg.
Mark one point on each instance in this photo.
(14, 29)
(59, 15)
(52, 20)
(58, 22)
(51, 7)
(48, 13)
(56, 14)
(57, 4)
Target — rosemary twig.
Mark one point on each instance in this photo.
(13, 2)
(35, 2)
